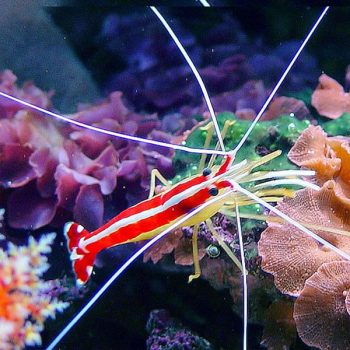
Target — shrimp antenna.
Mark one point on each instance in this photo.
(119, 272)
(196, 74)
(108, 132)
(204, 3)
(279, 83)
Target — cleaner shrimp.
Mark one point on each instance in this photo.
(232, 184)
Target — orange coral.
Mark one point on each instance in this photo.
(329, 98)
(24, 299)
(329, 157)
(320, 312)
(290, 255)
(312, 151)
(301, 266)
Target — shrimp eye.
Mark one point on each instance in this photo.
(206, 172)
(212, 251)
(213, 191)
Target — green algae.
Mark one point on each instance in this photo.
(268, 136)
(339, 126)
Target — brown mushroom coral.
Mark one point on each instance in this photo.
(292, 256)
(320, 312)
(329, 98)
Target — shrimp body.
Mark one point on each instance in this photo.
(146, 219)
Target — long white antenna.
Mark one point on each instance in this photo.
(108, 132)
(195, 72)
(204, 3)
(273, 93)
(245, 285)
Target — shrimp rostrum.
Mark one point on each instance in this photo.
(150, 217)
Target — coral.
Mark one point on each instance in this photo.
(54, 170)
(28, 92)
(154, 70)
(314, 152)
(288, 106)
(25, 300)
(329, 157)
(301, 266)
(329, 98)
(166, 333)
(320, 312)
(290, 255)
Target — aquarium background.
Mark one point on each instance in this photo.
(84, 53)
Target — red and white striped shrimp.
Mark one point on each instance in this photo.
(146, 219)
(161, 212)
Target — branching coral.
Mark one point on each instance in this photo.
(25, 301)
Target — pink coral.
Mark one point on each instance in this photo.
(51, 172)
(55, 169)
(28, 92)
(286, 105)
(329, 98)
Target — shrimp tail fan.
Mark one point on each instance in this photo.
(82, 260)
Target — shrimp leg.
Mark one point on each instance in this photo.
(155, 174)
(223, 245)
(197, 268)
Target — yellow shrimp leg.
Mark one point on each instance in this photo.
(209, 128)
(155, 174)
(197, 269)
(223, 245)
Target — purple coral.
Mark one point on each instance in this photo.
(167, 333)
(52, 171)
